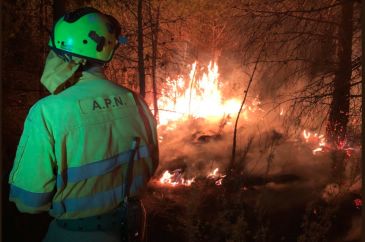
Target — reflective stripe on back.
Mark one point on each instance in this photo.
(76, 174)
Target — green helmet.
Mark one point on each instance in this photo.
(86, 33)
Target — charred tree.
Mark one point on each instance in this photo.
(340, 105)
(141, 68)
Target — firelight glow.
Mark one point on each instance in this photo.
(196, 97)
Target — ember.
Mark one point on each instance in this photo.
(358, 203)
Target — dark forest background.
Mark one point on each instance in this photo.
(308, 58)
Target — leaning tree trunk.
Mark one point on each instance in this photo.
(141, 69)
(340, 106)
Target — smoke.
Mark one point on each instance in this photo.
(270, 142)
(199, 146)
(355, 230)
(273, 157)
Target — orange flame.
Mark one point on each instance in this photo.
(282, 112)
(175, 178)
(216, 176)
(320, 144)
(198, 97)
(316, 139)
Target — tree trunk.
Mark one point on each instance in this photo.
(43, 44)
(58, 9)
(154, 39)
(340, 106)
(141, 69)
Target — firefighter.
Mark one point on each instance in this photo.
(87, 150)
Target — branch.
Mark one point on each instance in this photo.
(356, 96)
(305, 33)
(232, 162)
(312, 10)
(288, 13)
(130, 10)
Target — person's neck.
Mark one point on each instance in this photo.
(95, 69)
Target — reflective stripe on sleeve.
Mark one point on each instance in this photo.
(30, 199)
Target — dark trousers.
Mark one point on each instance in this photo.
(58, 234)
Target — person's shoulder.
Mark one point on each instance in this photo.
(127, 90)
(118, 86)
(43, 104)
(48, 100)
(124, 90)
(36, 110)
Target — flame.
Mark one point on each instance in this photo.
(320, 144)
(216, 176)
(316, 150)
(198, 97)
(219, 182)
(318, 140)
(175, 178)
(306, 135)
(281, 112)
(213, 173)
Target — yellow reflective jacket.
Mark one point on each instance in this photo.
(75, 148)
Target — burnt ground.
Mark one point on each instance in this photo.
(273, 209)
(279, 210)
(286, 203)
(282, 192)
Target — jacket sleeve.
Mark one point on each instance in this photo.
(152, 127)
(32, 179)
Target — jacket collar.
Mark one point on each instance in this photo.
(92, 73)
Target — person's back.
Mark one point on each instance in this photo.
(83, 153)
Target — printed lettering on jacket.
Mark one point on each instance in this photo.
(102, 104)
